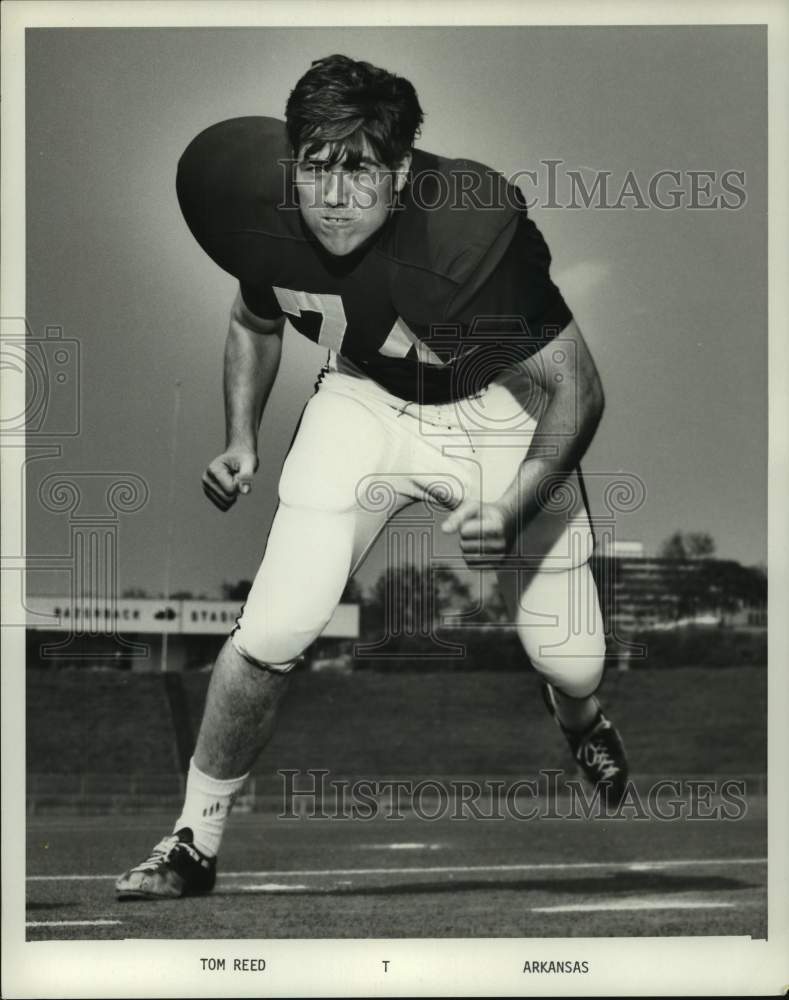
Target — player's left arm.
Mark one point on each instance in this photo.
(574, 407)
(566, 372)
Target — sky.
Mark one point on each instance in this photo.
(673, 303)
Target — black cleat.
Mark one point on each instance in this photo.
(175, 868)
(599, 751)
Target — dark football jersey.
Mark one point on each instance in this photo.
(452, 287)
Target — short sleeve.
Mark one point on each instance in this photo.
(520, 291)
(260, 300)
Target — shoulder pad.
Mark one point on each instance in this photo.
(455, 221)
(232, 177)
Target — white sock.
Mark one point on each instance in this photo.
(206, 807)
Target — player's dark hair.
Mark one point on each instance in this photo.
(340, 102)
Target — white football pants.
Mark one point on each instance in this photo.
(359, 456)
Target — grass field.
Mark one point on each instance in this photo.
(391, 879)
(326, 878)
(689, 721)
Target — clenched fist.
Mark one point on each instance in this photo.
(486, 531)
(228, 475)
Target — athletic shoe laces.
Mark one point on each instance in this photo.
(164, 850)
(598, 756)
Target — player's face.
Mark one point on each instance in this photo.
(343, 204)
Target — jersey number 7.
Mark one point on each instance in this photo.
(400, 341)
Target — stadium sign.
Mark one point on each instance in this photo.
(90, 616)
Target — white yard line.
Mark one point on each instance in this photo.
(448, 869)
(633, 904)
(270, 887)
(72, 923)
(399, 847)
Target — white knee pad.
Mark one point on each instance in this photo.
(297, 586)
(561, 628)
(278, 641)
(255, 654)
(575, 674)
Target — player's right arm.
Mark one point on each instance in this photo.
(252, 354)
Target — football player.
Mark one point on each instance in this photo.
(455, 375)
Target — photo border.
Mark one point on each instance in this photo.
(431, 967)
